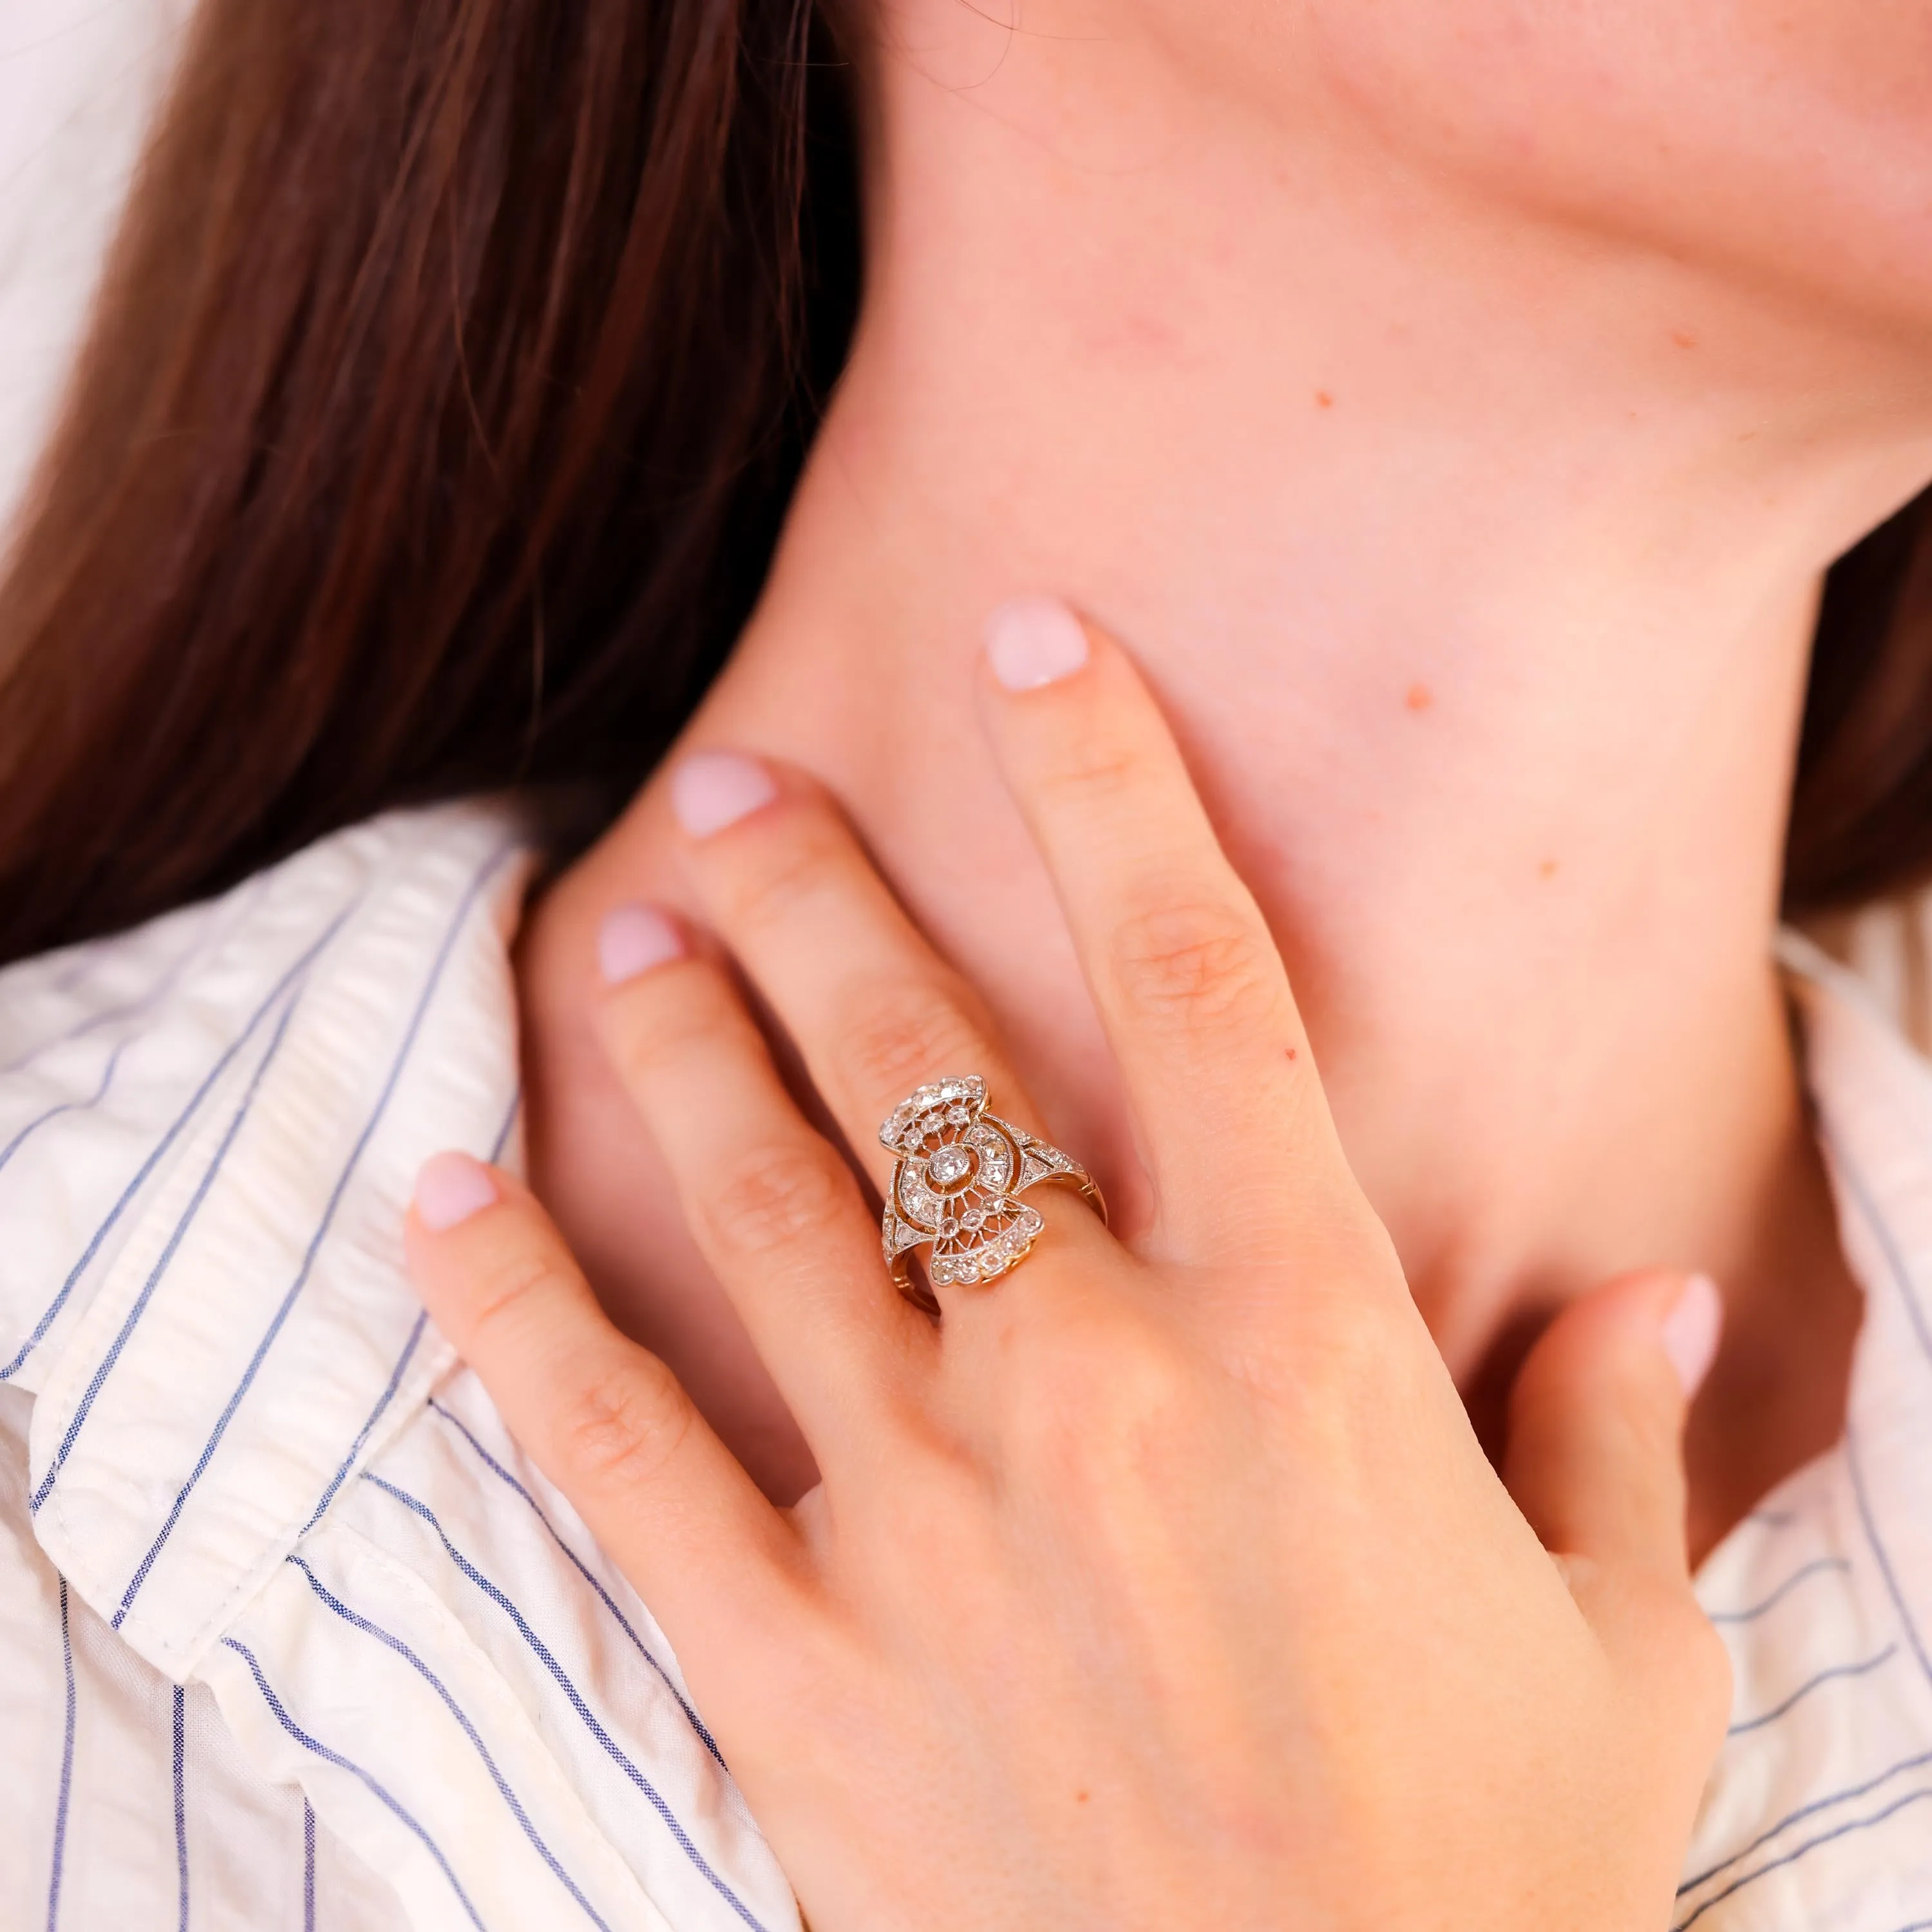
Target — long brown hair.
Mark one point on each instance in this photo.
(445, 390)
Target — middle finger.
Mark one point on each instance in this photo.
(872, 1008)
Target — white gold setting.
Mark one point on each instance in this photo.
(955, 1189)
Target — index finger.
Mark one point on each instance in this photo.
(603, 1418)
(1190, 984)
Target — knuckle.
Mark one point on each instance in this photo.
(1091, 777)
(621, 1424)
(506, 1286)
(1101, 1405)
(792, 862)
(898, 1036)
(664, 1017)
(776, 1196)
(1195, 964)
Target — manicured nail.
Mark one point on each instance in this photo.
(1691, 1330)
(632, 939)
(711, 790)
(1033, 641)
(450, 1188)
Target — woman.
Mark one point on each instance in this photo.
(1456, 414)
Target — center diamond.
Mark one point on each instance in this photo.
(949, 1166)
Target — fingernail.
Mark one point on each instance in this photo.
(711, 790)
(1690, 1331)
(1033, 641)
(450, 1188)
(632, 939)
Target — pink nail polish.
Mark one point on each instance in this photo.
(711, 790)
(632, 939)
(1691, 1330)
(1033, 641)
(450, 1188)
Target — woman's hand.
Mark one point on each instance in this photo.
(1161, 1585)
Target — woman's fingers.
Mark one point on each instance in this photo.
(1595, 1462)
(1595, 1457)
(604, 1419)
(1188, 982)
(872, 1007)
(770, 1202)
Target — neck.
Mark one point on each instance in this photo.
(1475, 559)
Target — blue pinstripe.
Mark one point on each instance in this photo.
(541, 1650)
(1901, 1276)
(60, 1107)
(322, 1750)
(52, 1312)
(1902, 1279)
(213, 929)
(1803, 1812)
(583, 1570)
(64, 1797)
(308, 1867)
(180, 1802)
(464, 907)
(1804, 1689)
(105, 1366)
(362, 1435)
(395, 1643)
(510, 1114)
(1816, 1567)
(1810, 1845)
(335, 1482)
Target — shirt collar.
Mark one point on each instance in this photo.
(209, 1130)
(215, 1141)
(1872, 1095)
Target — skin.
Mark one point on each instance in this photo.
(1160, 1584)
(1453, 409)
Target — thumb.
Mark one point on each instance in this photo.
(1595, 1458)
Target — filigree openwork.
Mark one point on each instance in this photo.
(955, 1189)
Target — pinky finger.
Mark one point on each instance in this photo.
(603, 1419)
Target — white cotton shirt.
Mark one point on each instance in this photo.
(291, 1634)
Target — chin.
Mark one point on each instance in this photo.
(1787, 146)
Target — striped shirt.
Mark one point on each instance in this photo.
(293, 1637)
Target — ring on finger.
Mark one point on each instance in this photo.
(960, 1171)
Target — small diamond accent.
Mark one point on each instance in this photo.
(948, 1165)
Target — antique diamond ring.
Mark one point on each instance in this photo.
(961, 1172)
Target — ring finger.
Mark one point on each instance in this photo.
(872, 1008)
(772, 1205)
